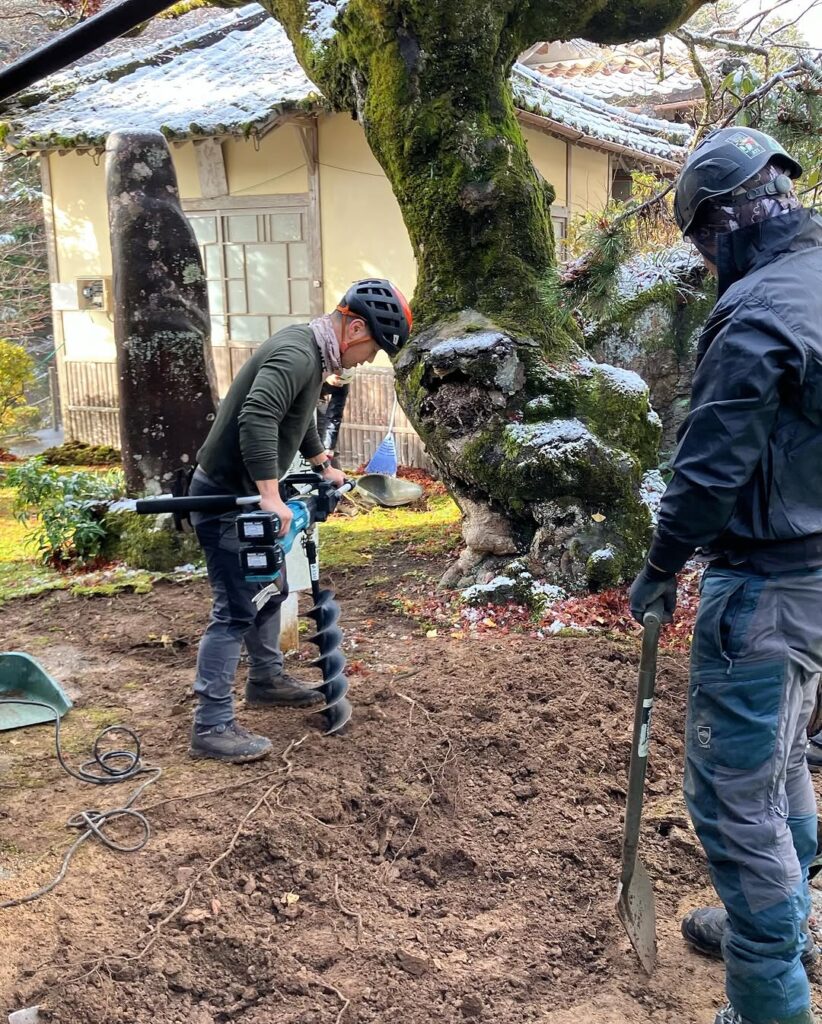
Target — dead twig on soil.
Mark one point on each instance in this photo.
(405, 675)
(302, 813)
(189, 797)
(435, 778)
(346, 1002)
(344, 910)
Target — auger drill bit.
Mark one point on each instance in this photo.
(331, 661)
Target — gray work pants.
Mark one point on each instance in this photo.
(234, 618)
(755, 664)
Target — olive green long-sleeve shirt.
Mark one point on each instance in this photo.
(267, 414)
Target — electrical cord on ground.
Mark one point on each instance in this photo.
(104, 768)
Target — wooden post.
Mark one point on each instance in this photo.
(211, 168)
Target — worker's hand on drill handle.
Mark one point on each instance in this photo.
(270, 501)
(334, 476)
(322, 466)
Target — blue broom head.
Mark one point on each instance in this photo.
(384, 459)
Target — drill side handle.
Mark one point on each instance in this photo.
(195, 503)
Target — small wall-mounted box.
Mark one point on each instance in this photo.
(94, 293)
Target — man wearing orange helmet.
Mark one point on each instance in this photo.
(264, 419)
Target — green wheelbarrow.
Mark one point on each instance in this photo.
(22, 679)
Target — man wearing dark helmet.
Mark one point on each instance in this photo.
(264, 419)
(746, 492)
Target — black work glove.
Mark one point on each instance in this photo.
(650, 585)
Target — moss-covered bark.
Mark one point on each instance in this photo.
(532, 454)
(546, 460)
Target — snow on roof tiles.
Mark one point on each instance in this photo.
(234, 73)
(228, 76)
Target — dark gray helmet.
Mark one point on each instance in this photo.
(384, 308)
(722, 162)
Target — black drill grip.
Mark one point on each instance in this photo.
(194, 503)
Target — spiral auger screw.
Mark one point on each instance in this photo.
(328, 639)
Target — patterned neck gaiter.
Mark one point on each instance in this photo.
(329, 346)
(723, 214)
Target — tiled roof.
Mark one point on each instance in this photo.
(626, 82)
(623, 77)
(558, 101)
(235, 73)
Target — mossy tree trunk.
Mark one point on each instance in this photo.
(543, 453)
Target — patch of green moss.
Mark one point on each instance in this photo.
(602, 571)
(590, 393)
(142, 583)
(526, 463)
(665, 317)
(78, 453)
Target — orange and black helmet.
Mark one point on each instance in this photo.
(384, 308)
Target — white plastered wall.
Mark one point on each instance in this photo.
(590, 182)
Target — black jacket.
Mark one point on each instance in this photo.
(748, 466)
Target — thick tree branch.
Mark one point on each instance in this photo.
(711, 42)
(702, 74)
(615, 22)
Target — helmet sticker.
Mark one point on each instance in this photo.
(747, 145)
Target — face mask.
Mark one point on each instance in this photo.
(735, 212)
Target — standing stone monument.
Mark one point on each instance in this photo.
(168, 392)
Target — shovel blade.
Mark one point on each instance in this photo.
(637, 911)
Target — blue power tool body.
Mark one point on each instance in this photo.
(262, 550)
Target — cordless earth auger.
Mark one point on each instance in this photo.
(262, 558)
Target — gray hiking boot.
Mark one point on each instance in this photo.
(728, 1015)
(703, 930)
(813, 753)
(229, 742)
(283, 691)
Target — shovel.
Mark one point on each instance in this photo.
(635, 892)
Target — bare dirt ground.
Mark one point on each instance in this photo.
(452, 858)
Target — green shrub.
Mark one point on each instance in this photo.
(16, 374)
(66, 509)
(149, 542)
